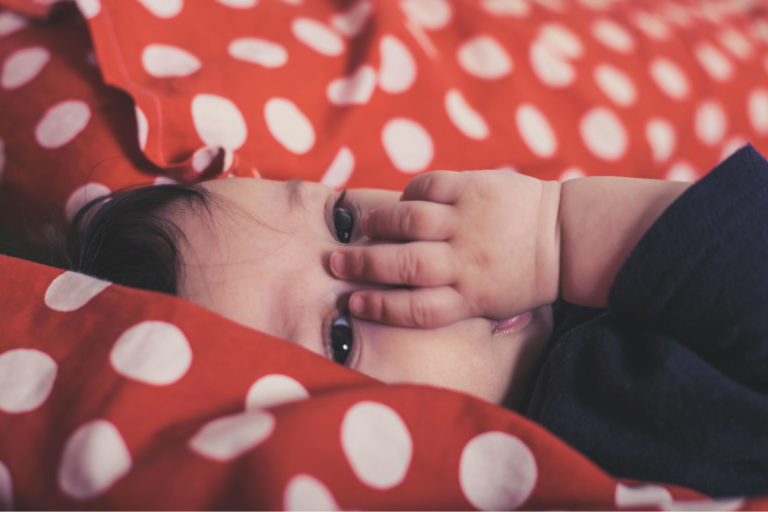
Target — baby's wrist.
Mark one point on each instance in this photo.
(547, 269)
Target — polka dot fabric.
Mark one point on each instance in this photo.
(117, 398)
(401, 87)
(368, 93)
(163, 405)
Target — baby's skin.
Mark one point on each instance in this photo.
(447, 284)
(496, 244)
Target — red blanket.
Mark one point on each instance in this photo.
(117, 398)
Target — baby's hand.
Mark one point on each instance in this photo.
(479, 244)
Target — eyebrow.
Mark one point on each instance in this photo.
(295, 193)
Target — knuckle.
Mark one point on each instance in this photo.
(374, 307)
(409, 220)
(419, 312)
(409, 267)
(364, 265)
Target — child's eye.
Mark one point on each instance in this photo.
(343, 220)
(341, 340)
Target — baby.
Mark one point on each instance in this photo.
(625, 315)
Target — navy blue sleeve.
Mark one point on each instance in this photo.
(670, 383)
(700, 273)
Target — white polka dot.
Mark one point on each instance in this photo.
(732, 145)
(719, 504)
(552, 5)
(71, 291)
(2, 158)
(497, 471)
(535, 130)
(648, 495)
(483, 57)
(204, 157)
(670, 78)
(62, 123)
(163, 60)
(517, 8)
(661, 137)
(604, 134)
(142, 127)
(218, 121)
(26, 379)
(760, 30)
(377, 444)
(318, 36)
(227, 438)
(89, 8)
(465, 118)
(293, 2)
(407, 144)
(651, 26)
(340, 170)
(274, 389)
(561, 40)
(682, 171)
(717, 65)
(736, 43)
(95, 457)
(710, 123)
(6, 488)
(11, 22)
(398, 69)
(355, 89)
(305, 492)
(163, 8)
(616, 85)
(550, 67)
(352, 21)
(430, 14)
(165, 180)
(571, 173)
(152, 352)
(22, 66)
(613, 35)
(597, 5)
(757, 110)
(258, 51)
(289, 125)
(239, 4)
(82, 196)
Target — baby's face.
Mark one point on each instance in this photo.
(262, 260)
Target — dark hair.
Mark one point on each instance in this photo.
(127, 237)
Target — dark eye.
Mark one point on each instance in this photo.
(341, 339)
(343, 220)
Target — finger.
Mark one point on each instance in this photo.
(411, 220)
(420, 307)
(414, 264)
(437, 186)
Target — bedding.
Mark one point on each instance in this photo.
(112, 397)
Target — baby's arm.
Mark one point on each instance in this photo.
(496, 244)
(601, 219)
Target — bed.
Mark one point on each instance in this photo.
(117, 398)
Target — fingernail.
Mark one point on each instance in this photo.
(356, 304)
(338, 263)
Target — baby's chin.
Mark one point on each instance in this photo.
(531, 330)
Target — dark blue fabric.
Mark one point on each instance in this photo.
(670, 382)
